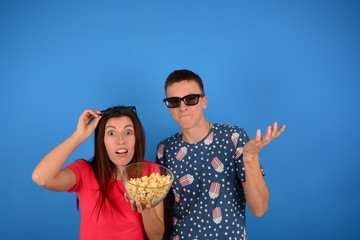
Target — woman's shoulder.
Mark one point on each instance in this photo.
(80, 164)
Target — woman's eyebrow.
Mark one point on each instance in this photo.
(129, 125)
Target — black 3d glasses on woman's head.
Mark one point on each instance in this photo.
(118, 109)
(189, 100)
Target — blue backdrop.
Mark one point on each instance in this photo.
(296, 62)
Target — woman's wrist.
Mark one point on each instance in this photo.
(78, 137)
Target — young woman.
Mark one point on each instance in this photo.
(105, 212)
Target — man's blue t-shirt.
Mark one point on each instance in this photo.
(209, 198)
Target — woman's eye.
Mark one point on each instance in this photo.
(128, 132)
(111, 133)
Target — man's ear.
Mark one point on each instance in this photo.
(205, 102)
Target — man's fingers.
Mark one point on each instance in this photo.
(282, 128)
(268, 134)
(274, 130)
(258, 135)
(280, 131)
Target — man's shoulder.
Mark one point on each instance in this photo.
(170, 139)
(227, 127)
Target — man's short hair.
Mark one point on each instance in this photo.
(182, 75)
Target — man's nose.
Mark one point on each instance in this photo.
(182, 106)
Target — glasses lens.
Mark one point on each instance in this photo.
(191, 100)
(173, 102)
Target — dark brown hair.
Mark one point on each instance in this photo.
(103, 167)
(181, 75)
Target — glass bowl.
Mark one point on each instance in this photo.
(147, 182)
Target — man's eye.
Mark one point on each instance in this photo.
(173, 100)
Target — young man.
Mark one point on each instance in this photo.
(216, 167)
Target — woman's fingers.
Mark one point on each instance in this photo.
(141, 208)
(92, 114)
(136, 206)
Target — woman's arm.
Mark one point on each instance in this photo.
(49, 173)
(153, 219)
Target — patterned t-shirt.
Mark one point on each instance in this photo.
(209, 198)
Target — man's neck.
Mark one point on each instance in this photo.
(196, 134)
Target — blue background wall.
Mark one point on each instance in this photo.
(296, 62)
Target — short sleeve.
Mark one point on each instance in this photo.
(79, 167)
(160, 154)
(241, 138)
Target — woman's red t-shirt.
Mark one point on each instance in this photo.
(115, 221)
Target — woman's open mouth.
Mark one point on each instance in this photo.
(121, 152)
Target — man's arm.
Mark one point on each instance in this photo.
(255, 188)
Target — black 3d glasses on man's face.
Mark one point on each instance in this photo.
(189, 100)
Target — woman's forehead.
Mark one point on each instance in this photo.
(119, 122)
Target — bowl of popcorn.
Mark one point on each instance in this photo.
(147, 182)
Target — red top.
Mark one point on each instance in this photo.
(116, 221)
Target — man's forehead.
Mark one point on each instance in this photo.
(184, 87)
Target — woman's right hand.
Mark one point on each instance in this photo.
(87, 124)
(49, 173)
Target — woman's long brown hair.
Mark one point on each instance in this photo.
(103, 167)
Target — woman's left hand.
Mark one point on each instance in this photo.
(136, 206)
(255, 145)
